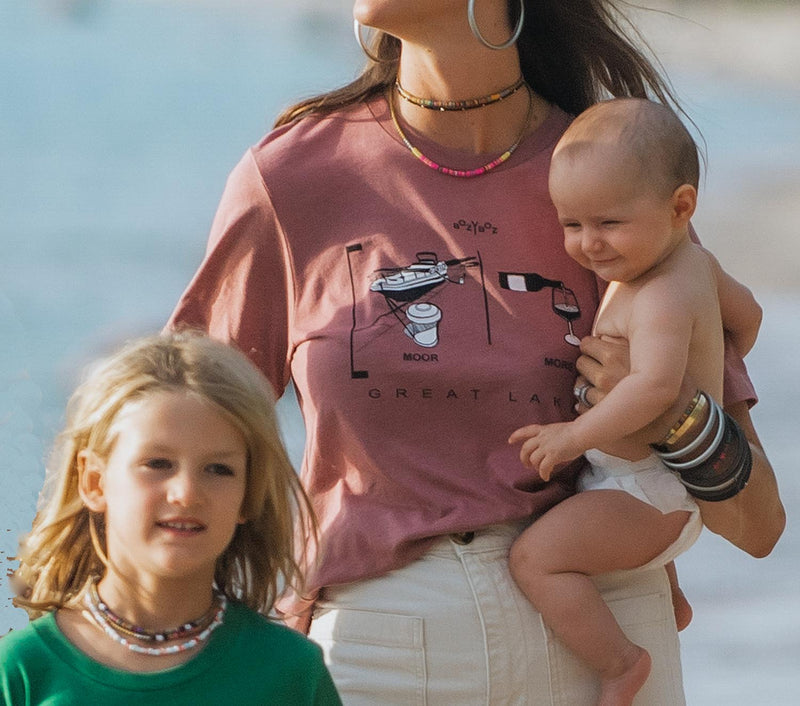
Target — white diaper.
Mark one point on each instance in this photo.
(650, 481)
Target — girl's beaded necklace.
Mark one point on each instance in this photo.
(463, 173)
(101, 613)
(467, 104)
(121, 625)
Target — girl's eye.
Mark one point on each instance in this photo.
(220, 469)
(158, 464)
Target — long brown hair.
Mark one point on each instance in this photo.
(572, 52)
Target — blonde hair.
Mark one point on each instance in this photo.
(63, 550)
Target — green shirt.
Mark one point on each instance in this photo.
(248, 660)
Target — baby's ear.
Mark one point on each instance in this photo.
(91, 480)
(684, 202)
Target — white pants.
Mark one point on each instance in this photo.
(452, 629)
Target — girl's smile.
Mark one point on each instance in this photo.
(182, 527)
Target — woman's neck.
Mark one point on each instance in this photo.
(450, 74)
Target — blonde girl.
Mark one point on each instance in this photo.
(168, 525)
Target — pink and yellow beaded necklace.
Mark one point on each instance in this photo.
(463, 173)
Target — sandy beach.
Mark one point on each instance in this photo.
(120, 128)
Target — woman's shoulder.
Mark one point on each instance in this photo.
(289, 159)
(314, 135)
(553, 126)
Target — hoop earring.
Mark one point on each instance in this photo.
(364, 47)
(473, 25)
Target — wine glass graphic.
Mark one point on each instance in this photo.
(566, 306)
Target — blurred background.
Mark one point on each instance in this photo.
(120, 120)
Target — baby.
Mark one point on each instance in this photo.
(624, 181)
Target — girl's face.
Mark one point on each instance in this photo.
(171, 489)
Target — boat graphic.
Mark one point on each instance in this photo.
(409, 283)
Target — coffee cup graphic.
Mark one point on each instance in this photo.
(423, 326)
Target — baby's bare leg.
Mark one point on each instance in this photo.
(552, 561)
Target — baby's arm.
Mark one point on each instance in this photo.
(741, 313)
(659, 332)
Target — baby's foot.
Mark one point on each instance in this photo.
(621, 689)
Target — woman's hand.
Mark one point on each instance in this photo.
(604, 361)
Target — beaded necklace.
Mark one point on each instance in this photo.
(467, 104)
(112, 631)
(463, 173)
(123, 626)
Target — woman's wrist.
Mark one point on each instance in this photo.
(708, 450)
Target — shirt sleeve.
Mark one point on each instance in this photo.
(326, 694)
(241, 293)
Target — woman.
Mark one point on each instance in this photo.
(392, 250)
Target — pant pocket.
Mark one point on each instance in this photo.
(647, 621)
(374, 658)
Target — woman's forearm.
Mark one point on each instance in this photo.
(735, 488)
(754, 519)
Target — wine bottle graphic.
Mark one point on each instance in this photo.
(563, 300)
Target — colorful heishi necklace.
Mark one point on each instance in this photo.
(121, 625)
(100, 615)
(467, 104)
(463, 173)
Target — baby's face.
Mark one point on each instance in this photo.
(615, 221)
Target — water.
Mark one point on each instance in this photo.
(119, 121)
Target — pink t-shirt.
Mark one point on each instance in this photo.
(421, 317)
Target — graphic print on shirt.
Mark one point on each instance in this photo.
(405, 287)
(563, 300)
(406, 290)
(410, 291)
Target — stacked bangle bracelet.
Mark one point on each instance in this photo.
(716, 464)
(689, 418)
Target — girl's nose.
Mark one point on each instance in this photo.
(183, 489)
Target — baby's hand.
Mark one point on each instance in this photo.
(546, 447)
